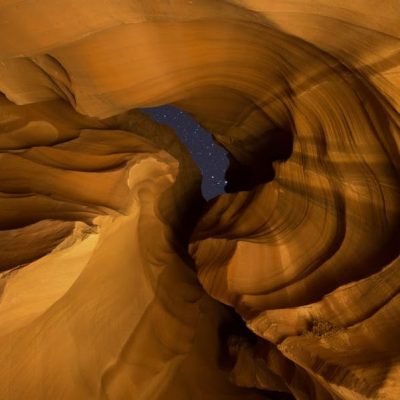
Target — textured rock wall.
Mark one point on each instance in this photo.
(98, 298)
(99, 206)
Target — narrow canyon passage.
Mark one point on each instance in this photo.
(118, 280)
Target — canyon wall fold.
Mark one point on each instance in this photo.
(113, 268)
(97, 298)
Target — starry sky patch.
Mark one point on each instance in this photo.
(207, 154)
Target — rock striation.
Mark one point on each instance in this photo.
(98, 298)
(114, 268)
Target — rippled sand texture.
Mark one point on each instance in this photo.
(99, 205)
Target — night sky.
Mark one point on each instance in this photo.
(209, 156)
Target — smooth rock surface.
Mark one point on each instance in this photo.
(109, 255)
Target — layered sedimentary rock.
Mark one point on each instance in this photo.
(98, 299)
(99, 296)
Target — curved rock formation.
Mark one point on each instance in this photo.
(96, 289)
(99, 295)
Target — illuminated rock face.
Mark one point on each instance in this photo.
(99, 209)
(98, 297)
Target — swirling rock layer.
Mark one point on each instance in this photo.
(96, 290)
(99, 205)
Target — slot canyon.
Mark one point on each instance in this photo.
(119, 280)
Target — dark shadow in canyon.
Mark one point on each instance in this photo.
(275, 145)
